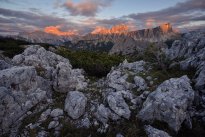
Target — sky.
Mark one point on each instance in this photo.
(69, 17)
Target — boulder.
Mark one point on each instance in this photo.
(169, 102)
(103, 114)
(116, 79)
(140, 83)
(137, 66)
(119, 135)
(153, 132)
(118, 104)
(19, 92)
(56, 112)
(75, 104)
(65, 78)
(53, 124)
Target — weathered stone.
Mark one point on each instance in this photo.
(103, 114)
(53, 67)
(56, 112)
(4, 65)
(119, 135)
(169, 102)
(140, 83)
(19, 92)
(53, 124)
(44, 115)
(75, 104)
(153, 132)
(118, 104)
(84, 123)
(137, 66)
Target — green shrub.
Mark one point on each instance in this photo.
(94, 63)
(11, 47)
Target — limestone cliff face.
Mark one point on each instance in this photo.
(128, 42)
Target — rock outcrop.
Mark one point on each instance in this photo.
(19, 92)
(169, 102)
(189, 53)
(52, 66)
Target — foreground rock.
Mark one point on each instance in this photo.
(52, 66)
(75, 104)
(153, 132)
(118, 104)
(19, 92)
(140, 83)
(190, 51)
(189, 54)
(103, 114)
(169, 102)
(4, 65)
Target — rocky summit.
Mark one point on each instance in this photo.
(43, 93)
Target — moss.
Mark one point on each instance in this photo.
(130, 78)
(40, 70)
(59, 99)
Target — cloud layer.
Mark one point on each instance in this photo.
(86, 7)
(181, 13)
(187, 15)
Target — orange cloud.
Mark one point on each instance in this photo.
(118, 29)
(56, 31)
(86, 7)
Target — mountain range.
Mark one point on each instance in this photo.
(112, 41)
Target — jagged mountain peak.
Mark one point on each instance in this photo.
(166, 27)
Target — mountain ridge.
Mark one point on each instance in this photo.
(125, 42)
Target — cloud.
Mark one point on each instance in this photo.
(31, 18)
(187, 15)
(188, 11)
(86, 7)
(56, 31)
(20, 21)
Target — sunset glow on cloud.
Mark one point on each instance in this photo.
(56, 31)
(82, 16)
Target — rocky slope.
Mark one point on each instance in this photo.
(42, 95)
(129, 42)
(42, 37)
(189, 53)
